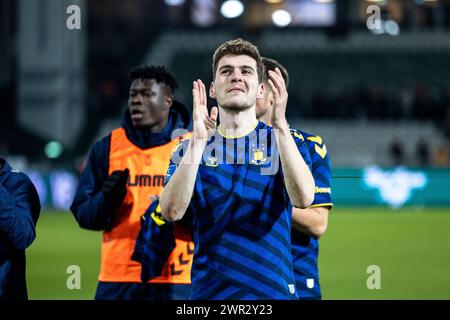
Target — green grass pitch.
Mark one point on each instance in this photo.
(411, 248)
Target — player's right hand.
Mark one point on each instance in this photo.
(204, 124)
(115, 186)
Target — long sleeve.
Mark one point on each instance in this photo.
(89, 206)
(19, 212)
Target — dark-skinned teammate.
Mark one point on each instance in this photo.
(123, 176)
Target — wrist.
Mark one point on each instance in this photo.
(197, 147)
(198, 143)
(282, 126)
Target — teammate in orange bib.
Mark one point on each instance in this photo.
(123, 176)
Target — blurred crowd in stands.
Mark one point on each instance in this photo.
(423, 102)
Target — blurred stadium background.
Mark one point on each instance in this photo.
(380, 99)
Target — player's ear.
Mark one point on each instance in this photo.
(261, 90)
(212, 91)
(264, 86)
(168, 101)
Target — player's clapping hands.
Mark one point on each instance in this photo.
(280, 96)
(204, 124)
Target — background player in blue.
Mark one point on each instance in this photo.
(242, 217)
(19, 212)
(310, 223)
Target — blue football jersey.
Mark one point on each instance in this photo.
(305, 249)
(242, 219)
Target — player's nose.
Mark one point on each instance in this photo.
(236, 76)
(136, 100)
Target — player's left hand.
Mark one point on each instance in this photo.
(280, 96)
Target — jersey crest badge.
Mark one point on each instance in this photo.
(258, 157)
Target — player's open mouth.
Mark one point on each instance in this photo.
(136, 114)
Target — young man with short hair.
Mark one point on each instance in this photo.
(241, 207)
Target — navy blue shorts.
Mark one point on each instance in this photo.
(141, 291)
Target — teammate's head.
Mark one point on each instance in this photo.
(237, 75)
(265, 104)
(151, 96)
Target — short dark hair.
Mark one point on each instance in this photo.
(238, 47)
(159, 73)
(271, 64)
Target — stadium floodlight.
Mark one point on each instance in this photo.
(232, 9)
(281, 18)
(174, 2)
(274, 1)
(204, 12)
